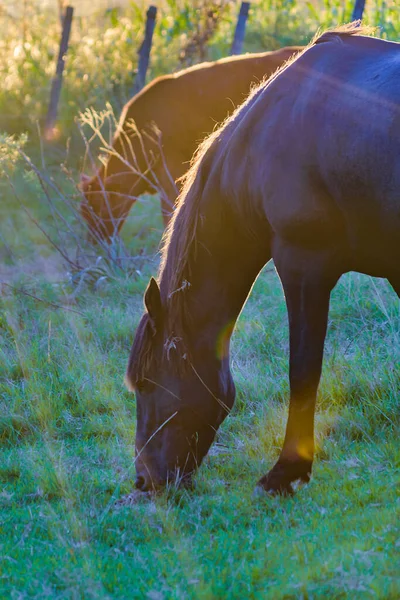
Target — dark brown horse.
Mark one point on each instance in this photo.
(185, 107)
(306, 172)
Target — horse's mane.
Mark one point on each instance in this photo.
(338, 34)
(180, 236)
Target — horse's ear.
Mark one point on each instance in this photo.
(152, 302)
(83, 180)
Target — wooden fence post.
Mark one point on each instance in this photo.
(358, 10)
(56, 85)
(144, 50)
(240, 28)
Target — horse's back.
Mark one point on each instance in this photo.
(318, 149)
(189, 103)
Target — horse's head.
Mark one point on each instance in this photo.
(106, 202)
(182, 396)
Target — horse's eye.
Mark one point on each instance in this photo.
(140, 386)
(144, 385)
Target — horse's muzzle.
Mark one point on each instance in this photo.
(146, 483)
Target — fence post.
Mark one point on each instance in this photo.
(144, 50)
(57, 79)
(240, 28)
(358, 10)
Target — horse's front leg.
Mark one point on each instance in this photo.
(307, 279)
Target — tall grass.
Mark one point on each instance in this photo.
(66, 457)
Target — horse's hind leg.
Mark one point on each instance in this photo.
(307, 278)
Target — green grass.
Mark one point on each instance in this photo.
(67, 423)
(67, 433)
(67, 452)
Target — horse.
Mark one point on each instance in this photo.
(185, 107)
(305, 172)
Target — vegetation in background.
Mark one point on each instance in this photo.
(102, 56)
(67, 423)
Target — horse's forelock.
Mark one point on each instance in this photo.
(141, 353)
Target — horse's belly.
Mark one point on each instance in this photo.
(374, 249)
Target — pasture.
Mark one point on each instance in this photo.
(67, 423)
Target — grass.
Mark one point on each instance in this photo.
(67, 423)
(66, 445)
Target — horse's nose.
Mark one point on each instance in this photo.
(147, 482)
(140, 482)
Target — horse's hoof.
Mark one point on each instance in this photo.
(272, 488)
(284, 479)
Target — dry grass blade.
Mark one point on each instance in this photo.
(53, 304)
